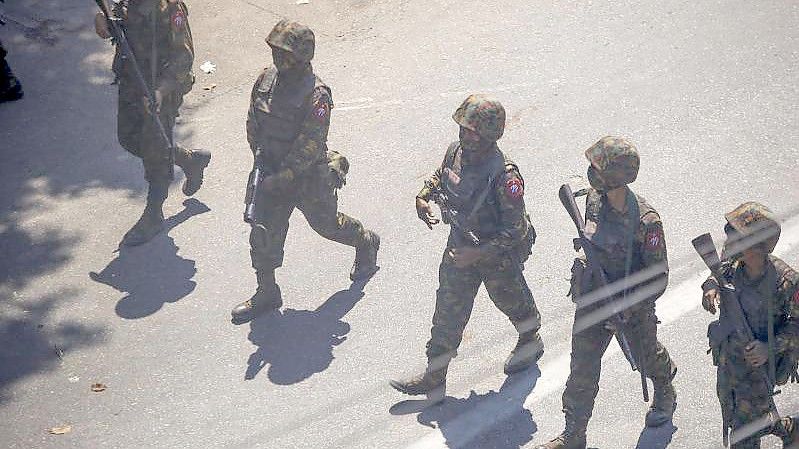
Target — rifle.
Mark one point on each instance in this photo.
(253, 185)
(618, 322)
(119, 38)
(453, 217)
(731, 308)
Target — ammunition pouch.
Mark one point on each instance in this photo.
(717, 333)
(339, 167)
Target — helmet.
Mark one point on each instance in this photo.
(615, 160)
(293, 37)
(483, 115)
(755, 225)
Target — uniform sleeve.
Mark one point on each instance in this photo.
(310, 146)
(513, 225)
(177, 75)
(653, 256)
(434, 181)
(787, 295)
(252, 123)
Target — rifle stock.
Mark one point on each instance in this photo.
(253, 185)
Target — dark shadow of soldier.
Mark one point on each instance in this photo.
(152, 274)
(494, 420)
(296, 344)
(656, 437)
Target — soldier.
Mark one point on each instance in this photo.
(480, 192)
(768, 291)
(628, 239)
(159, 34)
(10, 87)
(287, 127)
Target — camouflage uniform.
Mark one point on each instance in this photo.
(743, 395)
(159, 35)
(288, 123)
(10, 87)
(506, 236)
(614, 163)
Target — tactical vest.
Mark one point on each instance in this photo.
(465, 183)
(610, 233)
(278, 109)
(753, 297)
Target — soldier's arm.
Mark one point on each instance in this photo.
(654, 257)
(177, 75)
(433, 182)
(309, 148)
(252, 123)
(513, 225)
(787, 294)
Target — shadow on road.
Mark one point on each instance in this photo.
(152, 274)
(296, 344)
(657, 437)
(30, 346)
(494, 420)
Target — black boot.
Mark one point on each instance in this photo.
(528, 350)
(266, 299)
(10, 87)
(365, 265)
(193, 163)
(151, 222)
(432, 383)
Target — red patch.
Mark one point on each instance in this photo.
(653, 240)
(179, 19)
(320, 110)
(514, 188)
(796, 296)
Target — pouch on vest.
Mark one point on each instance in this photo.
(339, 167)
(717, 333)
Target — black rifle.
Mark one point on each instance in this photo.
(731, 308)
(253, 185)
(453, 217)
(119, 38)
(618, 322)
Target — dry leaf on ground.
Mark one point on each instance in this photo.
(60, 430)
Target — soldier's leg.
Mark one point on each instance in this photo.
(135, 132)
(454, 300)
(582, 385)
(320, 207)
(267, 240)
(192, 161)
(658, 364)
(509, 291)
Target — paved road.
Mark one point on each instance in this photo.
(708, 91)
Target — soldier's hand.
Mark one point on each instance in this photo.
(101, 26)
(425, 213)
(466, 256)
(756, 353)
(711, 299)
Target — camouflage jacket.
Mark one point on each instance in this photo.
(501, 222)
(161, 40)
(781, 283)
(610, 230)
(289, 120)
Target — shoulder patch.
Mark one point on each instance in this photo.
(653, 237)
(178, 18)
(514, 187)
(321, 108)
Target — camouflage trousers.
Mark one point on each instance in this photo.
(506, 286)
(139, 135)
(744, 399)
(317, 199)
(588, 347)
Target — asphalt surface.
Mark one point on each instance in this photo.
(707, 90)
